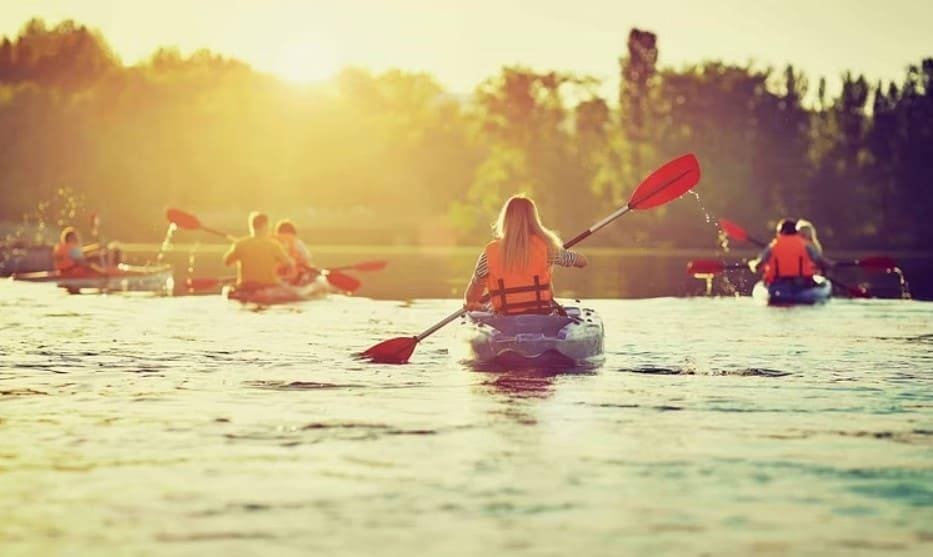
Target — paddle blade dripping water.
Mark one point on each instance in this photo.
(393, 351)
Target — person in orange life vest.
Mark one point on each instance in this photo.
(808, 232)
(257, 256)
(789, 255)
(515, 268)
(287, 235)
(68, 256)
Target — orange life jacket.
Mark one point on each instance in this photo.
(62, 259)
(525, 291)
(789, 258)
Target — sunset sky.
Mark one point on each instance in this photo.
(464, 41)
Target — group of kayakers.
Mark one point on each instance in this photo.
(512, 275)
(263, 260)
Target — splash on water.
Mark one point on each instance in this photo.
(727, 286)
(167, 242)
(902, 282)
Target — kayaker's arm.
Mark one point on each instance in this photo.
(581, 261)
(567, 258)
(474, 292)
(231, 256)
(817, 256)
(762, 257)
(285, 259)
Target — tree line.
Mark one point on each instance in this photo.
(395, 158)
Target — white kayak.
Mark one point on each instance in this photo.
(794, 292)
(570, 340)
(317, 288)
(122, 278)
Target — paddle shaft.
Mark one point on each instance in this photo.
(756, 242)
(589, 231)
(219, 233)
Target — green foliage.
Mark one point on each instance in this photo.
(210, 134)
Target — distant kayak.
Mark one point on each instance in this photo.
(281, 293)
(122, 278)
(794, 291)
(575, 339)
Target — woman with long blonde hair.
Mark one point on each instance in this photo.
(515, 268)
(806, 230)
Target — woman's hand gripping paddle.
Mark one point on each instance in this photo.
(664, 185)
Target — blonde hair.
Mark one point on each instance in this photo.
(518, 221)
(69, 234)
(806, 229)
(286, 226)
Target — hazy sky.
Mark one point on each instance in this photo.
(464, 41)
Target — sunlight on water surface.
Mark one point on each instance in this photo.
(139, 425)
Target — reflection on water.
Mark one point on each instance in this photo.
(141, 425)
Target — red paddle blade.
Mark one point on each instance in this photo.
(667, 183)
(705, 267)
(393, 351)
(370, 266)
(733, 230)
(880, 262)
(342, 282)
(207, 283)
(182, 219)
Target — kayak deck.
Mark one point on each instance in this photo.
(794, 292)
(547, 341)
(281, 293)
(122, 278)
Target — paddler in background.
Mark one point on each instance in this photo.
(69, 257)
(302, 271)
(515, 268)
(258, 257)
(789, 256)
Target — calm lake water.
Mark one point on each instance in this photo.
(133, 425)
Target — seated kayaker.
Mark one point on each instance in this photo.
(515, 268)
(789, 256)
(258, 257)
(302, 271)
(69, 257)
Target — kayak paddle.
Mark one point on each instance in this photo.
(873, 262)
(736, 232)
(187, 221)
(712, 267)
(664, 185)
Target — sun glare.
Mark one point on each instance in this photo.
(306, 62)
